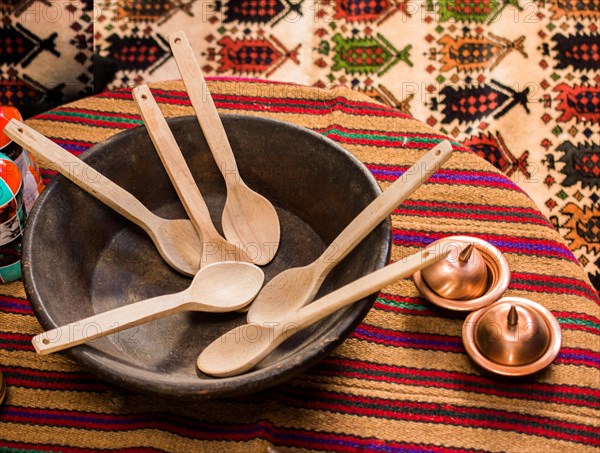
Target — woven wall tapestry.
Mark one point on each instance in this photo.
(516, 80)
(45, 52)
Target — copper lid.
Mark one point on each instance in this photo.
(459, 280)
(512, 337)
(462, 275)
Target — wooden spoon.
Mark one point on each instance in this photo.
(294, 288)
(242, 348)
(248, 218)
(215, 248)
(216, 288)
(176, 240)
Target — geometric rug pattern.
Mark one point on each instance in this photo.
(45, 51)
(517, 81)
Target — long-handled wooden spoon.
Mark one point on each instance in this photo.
(296, 287)
(216, 288)
(238, 351)
(176, 240)
(248, 218)
(215, 247)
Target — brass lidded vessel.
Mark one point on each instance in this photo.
(512, 337)
(474, 274)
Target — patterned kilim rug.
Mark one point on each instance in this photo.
(516, 80)
(45, 52)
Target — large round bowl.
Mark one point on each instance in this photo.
(81, 258)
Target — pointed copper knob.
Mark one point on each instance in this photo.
(462, 275)
(513, 336)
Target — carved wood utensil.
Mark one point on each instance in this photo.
(296, 287)
(216, 288)
(214, 247)
(239, 350)
(176, 240)
(249, 219)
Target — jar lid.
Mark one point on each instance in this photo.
(498, 276)
(512, 334)
(7, 113)
(512, 337)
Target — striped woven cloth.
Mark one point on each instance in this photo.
(401, 382)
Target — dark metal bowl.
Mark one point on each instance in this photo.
(81, 258)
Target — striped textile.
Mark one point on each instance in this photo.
(401, 382)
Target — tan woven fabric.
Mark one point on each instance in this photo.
(401, 381)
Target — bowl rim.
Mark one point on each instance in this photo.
(250, 382)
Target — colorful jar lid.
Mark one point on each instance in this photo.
(10, 179)
(7, 113)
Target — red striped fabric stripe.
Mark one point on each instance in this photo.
(424, 412)
(52, 380)
(279, 104)
(529, 391)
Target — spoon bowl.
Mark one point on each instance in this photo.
(244, 347)
(285, 293)
(249, 219)
(178, 243)
(245, 218)
(217, 288)
(176, 240)
(225, 286)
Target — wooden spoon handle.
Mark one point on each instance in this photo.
(362, 287)
(174, 162)
(110, 321)
(384, 205)
(233, 353)
(204, 106)
(53, 156)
